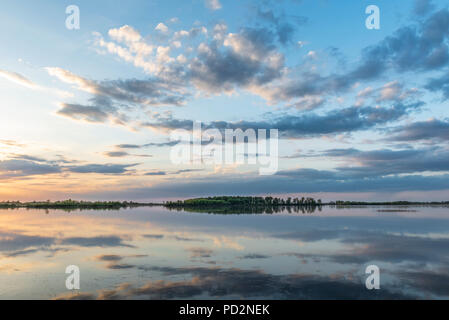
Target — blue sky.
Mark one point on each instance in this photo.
(362, 114)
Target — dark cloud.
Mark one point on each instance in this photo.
(27, 157)
(116, 154)
(119, 266)
(109, 257)
(308, 124)
(20, 168)
(153, 236)
(422, 7)
(156, 173)
(51, 251)
(87, 113)
(376, 163)
(121, 154)
(254, 256)
(153, 92)
(24, 165)
(163, 173)
(200, 252)
(101, 168)
(432, 130)
(439, 84)
(151, 144)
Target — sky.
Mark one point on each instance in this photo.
(87, 113)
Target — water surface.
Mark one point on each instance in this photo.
(154, 253)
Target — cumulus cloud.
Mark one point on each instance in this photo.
(161, 27)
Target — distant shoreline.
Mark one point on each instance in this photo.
(210, 203)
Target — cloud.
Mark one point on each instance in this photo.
(178, 238)
(18, 79)
(422, 7)
(112, 99)
(121, 154)
(250, 60)
(116, 154)
(11, 143)
(21, 168)
(110, 257)
(119, 266)
(87, 113)
(418, 47)
(283, 25)
(156, 173)
(161, 27)
(213, 4)
(431, 130)
(378, 163)
(247, 58)
(150, 144)
(163, 173)
(200, 252)
(153, 236)
(24, 165)
(344, 120)
(25, 82)
(101, 168)
(439, 84)
(254, 256)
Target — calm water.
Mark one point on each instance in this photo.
(153, 253)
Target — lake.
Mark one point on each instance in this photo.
(155, 253)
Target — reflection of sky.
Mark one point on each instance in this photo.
(154, 253)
